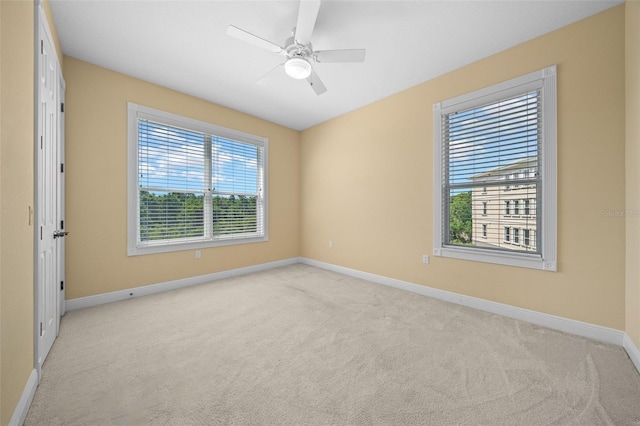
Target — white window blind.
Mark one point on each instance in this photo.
(494, 148)
(236, 189)
(171, 197)
(194, 185)
(488, 149)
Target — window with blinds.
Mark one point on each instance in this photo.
(491, 160)
(194, 185)
(495, 173)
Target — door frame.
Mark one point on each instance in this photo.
(61, 199)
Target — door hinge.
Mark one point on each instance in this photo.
(61, 285)
(62, 224)
(41, 329)
(62, 107)
(41, 145)
(41, 232)
(41, 46)
(61, 167)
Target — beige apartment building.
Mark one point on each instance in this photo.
(503, 209)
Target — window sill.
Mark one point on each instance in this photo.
(168, 248)
(521, 260)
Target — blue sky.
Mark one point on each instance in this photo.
(492, 135)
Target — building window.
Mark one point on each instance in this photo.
(484, 208)
(525, 235)
(192, 184)
(484, 231)
(516, 236)
(500, 135)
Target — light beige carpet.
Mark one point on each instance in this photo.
(303, 346)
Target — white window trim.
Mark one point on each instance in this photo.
(545, 80)
(138, 111)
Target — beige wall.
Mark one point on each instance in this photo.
(632, 27)
(16, 195)
(367, 180)
(96, 146)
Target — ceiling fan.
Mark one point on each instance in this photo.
(298, 50)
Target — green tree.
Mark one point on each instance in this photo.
(171, 215)
(460, 223)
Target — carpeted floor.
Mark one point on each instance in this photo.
(304, 346)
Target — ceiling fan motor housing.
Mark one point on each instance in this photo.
(297, 50)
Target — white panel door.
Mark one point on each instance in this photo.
(47, 207)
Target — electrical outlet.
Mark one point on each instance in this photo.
(425, 259)
(198, 254)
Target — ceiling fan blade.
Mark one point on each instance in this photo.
(307, 15)
(344, 55)
(316, 83)
(253, 39)
(265, 77)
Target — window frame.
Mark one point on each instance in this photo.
(135, 112)
(545, 81)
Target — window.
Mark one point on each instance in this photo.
(192, 184)
(500, 136)
(525, 233)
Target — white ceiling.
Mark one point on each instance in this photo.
(183, 45)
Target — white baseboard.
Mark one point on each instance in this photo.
(592, 331)
(632, 350)
(116, 296)
(20, 413)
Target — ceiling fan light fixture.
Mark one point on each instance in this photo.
(297, 68)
